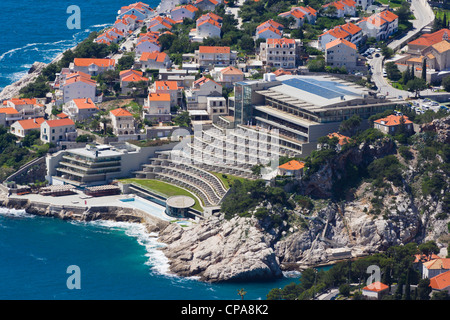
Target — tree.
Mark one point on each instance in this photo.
(446, 83)
(350, 125)
(416, 85)
(423, 289)
(424, 69)
(392, 71)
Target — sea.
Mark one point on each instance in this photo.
(39, 256)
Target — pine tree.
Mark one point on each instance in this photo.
(424, 69)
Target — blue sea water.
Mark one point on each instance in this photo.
(117, 261)
(37, 30)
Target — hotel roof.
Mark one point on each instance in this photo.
(314, 92)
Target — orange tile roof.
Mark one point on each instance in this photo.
(62, 115)
(231, 70)
(280, 41)
(154, 55)
(442, 46)
(210, 21)
(211, 49)
(350, 28)
(342, 139)
(429, 39)
(441, 281)
(23, 101)
(159, 97)
(376, 287)
(441, 263)
(130, 71)
(292, 165)
(134, 78)
(30, 124)
(166, 85)
(388, 15)
(85, 103)
(392, 120)
(8, 111)
(336, 42)
(270, 28)
(85, 62)
(60, 123)
(424, 258)
(121, 112)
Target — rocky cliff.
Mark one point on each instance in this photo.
(13, 90)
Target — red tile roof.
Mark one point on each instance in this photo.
(211, 49)
(441, 281)
(392, 120)
(292, 165)
(376, 287)
(8, 111)
(85, 103)
(121, 112)
(60, 123)
(30, 124)
(85, 62)
(336, 42)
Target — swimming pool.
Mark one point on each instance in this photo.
(148, 206)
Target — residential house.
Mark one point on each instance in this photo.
(207, 26)
(228, 76)
(291, 168)
(180, 12)
(269, 30)
(27, 108)
(147, 45)
(391, 124)
(139, 9)
(341, 53)
(8, 116)
(80, 109)
(375, 290)
(296, 14)
(168, 87)
(348, 31)
(23, 127)
(207, 5)
(380, 25)
(341, 8)
(76, 86)
(196, 96)
(441, 282)
(157, 107)
(160, 23)
(210, 56)
(310, 13)
(54, 131)
(435, 267)
(216, 106)
(341, 140)
(154, 60)
(279, 53)
(364, 4)
(130, 77)
(93, 67)
(112, 35)
(123, 122)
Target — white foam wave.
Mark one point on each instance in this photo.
(156, 259)
(15, 213)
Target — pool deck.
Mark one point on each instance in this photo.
(83, 201)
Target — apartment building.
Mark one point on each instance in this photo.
(279, 53)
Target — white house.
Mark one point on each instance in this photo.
(298, 15)
(375, 291)
(80, 109)
(54, 131)
(310, 13)
(196, 96)
(349, 31)
(279, 53)
(128, 77)
(123, 122)
(207, 5)
(27, 108)
(227, 76)
(23, 127)
(78, 85)
(154, 60)
(139, 9)
(157, 107)
(92, 67)
(380, 25)
(341, 53)
(214, 56)
(435, 267)
(181, 12)
(168, 87)
(147, 45)
(269, 29)
(341, 8)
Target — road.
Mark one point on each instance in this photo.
(424, 16)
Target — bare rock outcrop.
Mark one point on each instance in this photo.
(13, 89)
(218, 250)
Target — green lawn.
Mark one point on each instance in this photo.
(226, 178)
(165, 189)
